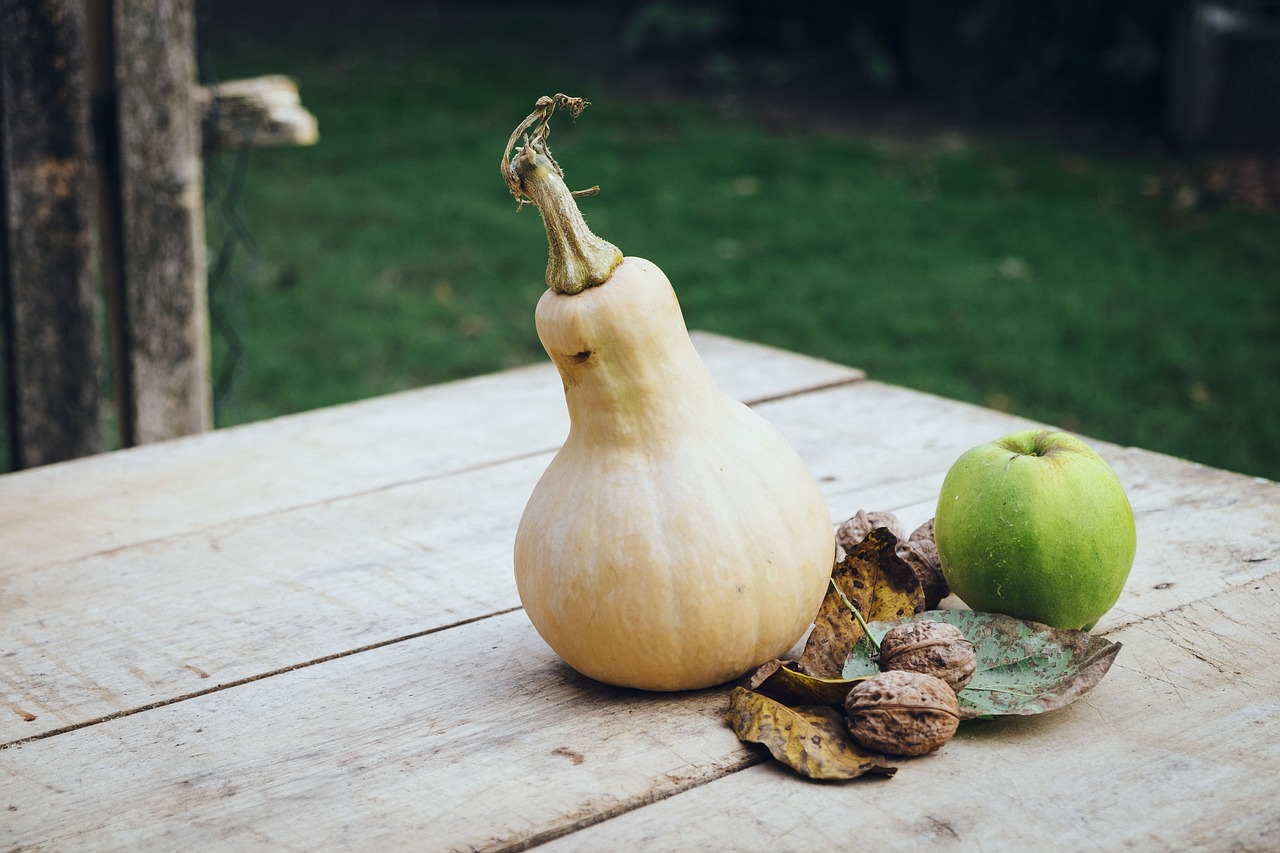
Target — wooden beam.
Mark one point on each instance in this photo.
(48, 262)
(259, 111)
(164, 299)
(102, 129)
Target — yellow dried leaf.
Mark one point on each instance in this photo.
(813, 741)
(777, 680)
(875, 580)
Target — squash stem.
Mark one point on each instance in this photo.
(577, 258)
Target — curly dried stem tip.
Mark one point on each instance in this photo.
(578, 259)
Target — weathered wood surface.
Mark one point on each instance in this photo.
(478, 738)
(102, 127)
(466, 737)
(413, 534)
(166, 391)
(320, 667)
(107, 502)
(1174, 750)
(48, 263)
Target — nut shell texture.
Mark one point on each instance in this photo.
(902, 713)
(934, 648)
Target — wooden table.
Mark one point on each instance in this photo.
(304, 634)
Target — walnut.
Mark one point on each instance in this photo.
(854, 530)
(921, 553)
(934, 648)
(918, 551)
(902, 713)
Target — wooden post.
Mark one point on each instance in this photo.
(47, 252)
(102, 130)
(166, 326)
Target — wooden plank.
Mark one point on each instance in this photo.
(161, 619)
(165, 304)
(1174, 750)
(477, 738)
(448, 740)
(753, 373)
(211, 607)
(116, 631)
(893, 446)
(118, 499)
(52, 359)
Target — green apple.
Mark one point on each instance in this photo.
(1036, 526)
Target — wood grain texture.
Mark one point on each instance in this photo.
(1200, 529)
(476, 737)
(111, 501)
(299, 658)
(52, 359)
(162, 221)
(1174, 750)
(183, 613)
(203, 561)
(469, 738)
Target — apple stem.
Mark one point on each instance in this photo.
(856, 615)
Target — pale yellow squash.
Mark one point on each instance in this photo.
(676, 540)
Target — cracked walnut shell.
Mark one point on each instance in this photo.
(902, 713)
(934, 648)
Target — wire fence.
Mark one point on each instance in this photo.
(234, 260)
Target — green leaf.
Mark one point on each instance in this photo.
(1023, 667)
(813, 741)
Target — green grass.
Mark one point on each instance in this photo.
(1002, 272)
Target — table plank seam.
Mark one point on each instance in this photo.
(757, 757)
(809, 389)
(245, 560)
(409, 481)
(248, 679)
(285, 510)
(674, 787)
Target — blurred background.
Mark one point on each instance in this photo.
(1066, 209)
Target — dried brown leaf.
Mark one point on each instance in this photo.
(813, 741)
(876, 581)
